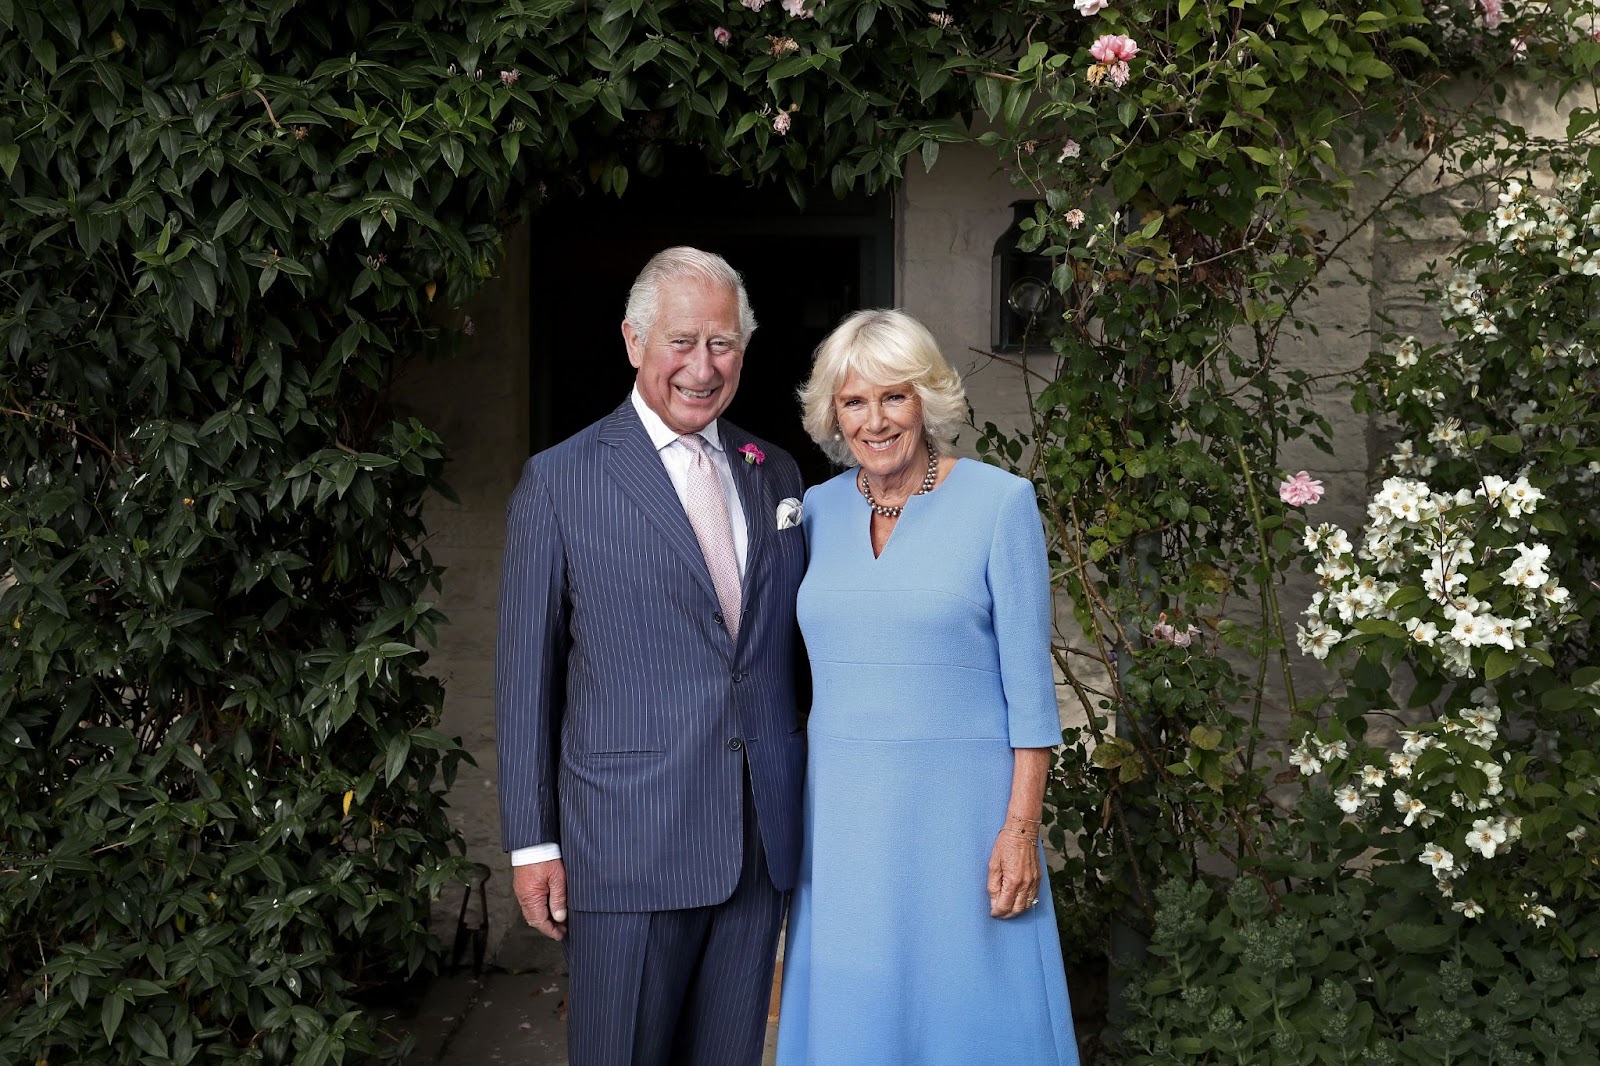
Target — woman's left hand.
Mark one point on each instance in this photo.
(1014, 877)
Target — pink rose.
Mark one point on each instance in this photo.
(754, 5)
(722, 35)
(1300, 490)
(509, 77)
(780, 122)
(796, 8)
(1113, 48)
(1118, 73)
(1090, 7)
(1179, 638)
(1491, 12)
(1073, 218)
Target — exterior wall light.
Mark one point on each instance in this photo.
(1023, 304)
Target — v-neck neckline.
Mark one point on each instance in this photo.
(907, 508)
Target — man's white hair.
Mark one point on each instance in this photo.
(683, 263)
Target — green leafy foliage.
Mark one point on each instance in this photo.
(1349, 970)
(223, 789)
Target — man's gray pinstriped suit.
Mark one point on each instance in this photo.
(626, 715)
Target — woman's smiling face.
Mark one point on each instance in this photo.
(882, 424)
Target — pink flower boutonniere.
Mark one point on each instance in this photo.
(753, 455)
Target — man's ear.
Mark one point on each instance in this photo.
(634, 342)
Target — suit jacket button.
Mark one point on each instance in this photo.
(735, 744)
(738, 676)
(717, 618)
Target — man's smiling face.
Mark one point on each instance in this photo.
(689, 363)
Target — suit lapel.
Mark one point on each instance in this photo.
(636, 468)
(753, 498)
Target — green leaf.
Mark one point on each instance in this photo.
(395, 757)
(1369, 673)
(1562, 699)
(14, 734)
(1548, 521)
(150, 1039)
(1312, 18)
(1507, 442)
(864, 16)
(9, 154)
(1369, 66)
(451, 152)
(1407, 594)
(111, 1014)
(1499, 663)
(989, 94)
(1426, 691)
(1417, 939)
(1019, 97)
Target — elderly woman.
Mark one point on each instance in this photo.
(916, 935)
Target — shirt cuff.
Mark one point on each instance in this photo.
(537, 853)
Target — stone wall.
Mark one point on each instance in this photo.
(478, 402)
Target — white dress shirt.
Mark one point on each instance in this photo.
(676, 457)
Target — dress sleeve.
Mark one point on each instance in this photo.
(807, 521)
(1019, 585)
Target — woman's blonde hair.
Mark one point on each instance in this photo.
(886, 347)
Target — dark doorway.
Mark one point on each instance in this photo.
(804, 270)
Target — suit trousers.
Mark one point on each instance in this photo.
(681, 987)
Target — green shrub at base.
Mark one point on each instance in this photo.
(1353, 971)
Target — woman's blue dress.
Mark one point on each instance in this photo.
(929, 664)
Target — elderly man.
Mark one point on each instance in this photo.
(649, 752)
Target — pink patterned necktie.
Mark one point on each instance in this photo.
(707, 505)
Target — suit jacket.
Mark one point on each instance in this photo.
(625, 713)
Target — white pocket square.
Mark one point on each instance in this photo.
(788, 512)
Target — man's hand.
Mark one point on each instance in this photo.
(541, 891)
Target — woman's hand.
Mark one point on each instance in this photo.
(1014, 876)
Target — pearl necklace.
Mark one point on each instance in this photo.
(927, 486)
